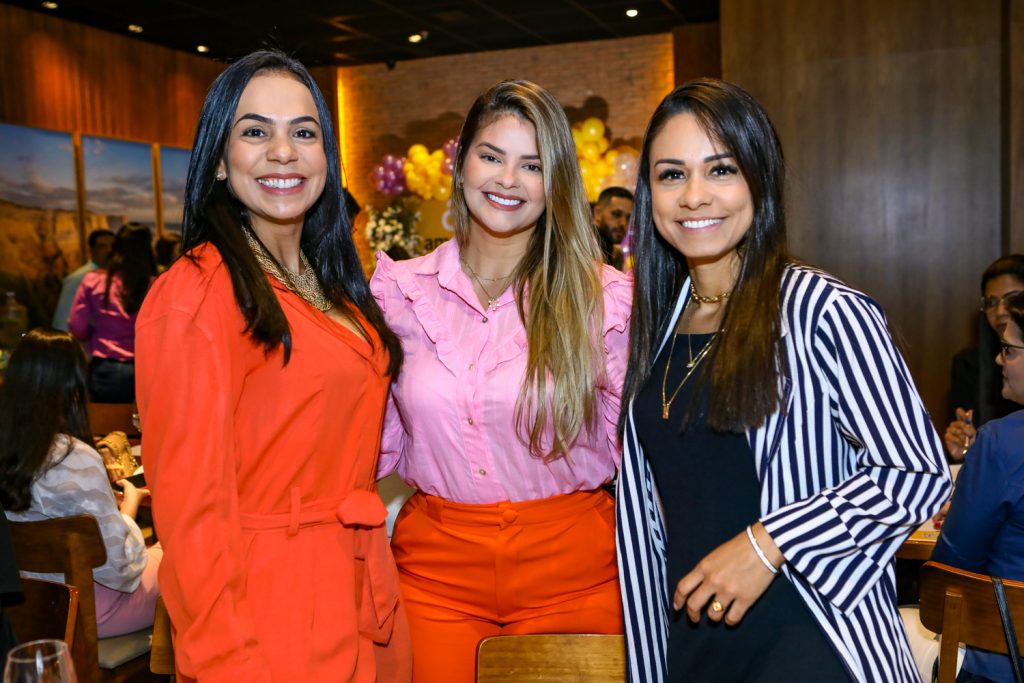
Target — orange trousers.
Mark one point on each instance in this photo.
(469, 572)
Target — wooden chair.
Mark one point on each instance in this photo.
(961, 605)
(551, 659)
(161, 656)
(73, 546)
(112, 417)
(50, 610)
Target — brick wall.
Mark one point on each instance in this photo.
(385, 111)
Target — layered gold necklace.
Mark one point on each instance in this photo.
(305, 284)
(694, 361)
(492, 301)
(691, 367)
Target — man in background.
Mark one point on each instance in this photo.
(100, 243)
(611, 217)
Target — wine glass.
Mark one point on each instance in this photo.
(40, 661)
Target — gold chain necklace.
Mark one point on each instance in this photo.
(708, 299)
(666, 401)
(304, 284)
(492, 301)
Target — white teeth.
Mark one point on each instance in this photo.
(701, 223)
(279, 183)
(503, 201)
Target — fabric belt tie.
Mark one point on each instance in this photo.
(363, 513)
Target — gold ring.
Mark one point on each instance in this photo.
(716, 606)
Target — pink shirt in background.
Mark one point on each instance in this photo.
(106, 328)
(450, 425)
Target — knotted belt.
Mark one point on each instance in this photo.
(363, 513)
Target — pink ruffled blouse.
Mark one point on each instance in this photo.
(450, 425)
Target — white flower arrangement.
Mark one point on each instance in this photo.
(395, 226)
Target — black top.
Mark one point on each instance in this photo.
(710, 493)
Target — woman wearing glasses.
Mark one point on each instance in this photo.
(975, 387)
(984, 531)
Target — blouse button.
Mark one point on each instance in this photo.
(472, 366)
(483, 472)
(484, 319)
(470, 421)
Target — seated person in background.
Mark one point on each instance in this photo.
(49, 470)
(976, 387)
(100, 243)
(104, 313)
(167, 249)
(984, 530)
(611, 217)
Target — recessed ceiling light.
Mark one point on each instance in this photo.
(202, 48)
(631, 13)
(134, 28)
(49, 5)
(418, 37)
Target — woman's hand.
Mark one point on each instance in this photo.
(732, 576)
(131, 496)
(960, 434)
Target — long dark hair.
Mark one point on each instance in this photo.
(744, 366)
(43, 395)
(133, 263)
(213, 215)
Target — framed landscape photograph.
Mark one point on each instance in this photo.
(118, 183)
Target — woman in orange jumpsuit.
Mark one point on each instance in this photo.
(263, 367)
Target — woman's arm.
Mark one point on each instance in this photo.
(82, 314)
(842, 539)
(987, 490)
(78, 485)
(186, 394)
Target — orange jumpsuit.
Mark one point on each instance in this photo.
(276, 563)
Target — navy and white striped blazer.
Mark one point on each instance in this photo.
(848, 468)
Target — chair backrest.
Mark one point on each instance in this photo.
(71, 546)
(50, 610)
(161, 655)
(961, 605)
(550, 658)
(112, 417)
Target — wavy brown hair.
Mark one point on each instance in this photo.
(557, 284)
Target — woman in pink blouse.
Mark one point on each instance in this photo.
(504, 415)
(104, 312)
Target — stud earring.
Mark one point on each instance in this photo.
(221, 175)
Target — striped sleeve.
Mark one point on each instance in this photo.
(842, 538)
(641, 558)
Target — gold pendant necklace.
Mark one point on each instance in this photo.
(492, 301)
(666, 401)
(305, 284)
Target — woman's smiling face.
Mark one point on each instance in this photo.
(503, 181)
(700, 201)
(275, 161)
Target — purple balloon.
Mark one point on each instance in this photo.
(378, 172)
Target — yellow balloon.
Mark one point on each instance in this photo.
(586, 169)
(416, 151)
(589, 151)
(593, 128)
(602, 168)
(602, 144)
(443, 191)
(577, 137)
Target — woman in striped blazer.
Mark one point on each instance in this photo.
(777, 452)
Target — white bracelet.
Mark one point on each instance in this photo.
(760, 553)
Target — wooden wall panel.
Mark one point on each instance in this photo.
(889, 117)
(697, 51)
(1014, 127)
(65, 76)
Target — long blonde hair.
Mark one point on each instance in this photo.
(558, 274)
